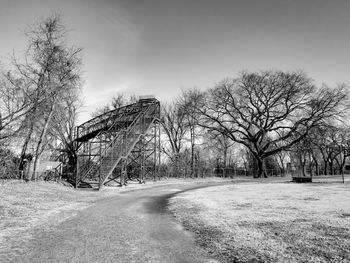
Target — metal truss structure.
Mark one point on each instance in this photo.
(120, 145)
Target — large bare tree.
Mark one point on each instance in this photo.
(269, 111)
(52, 69)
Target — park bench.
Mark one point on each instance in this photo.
(302, 179)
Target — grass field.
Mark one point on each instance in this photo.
(269, 222)
(26, 206)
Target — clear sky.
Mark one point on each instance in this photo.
(160, 46)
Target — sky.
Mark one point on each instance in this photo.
(160, 47)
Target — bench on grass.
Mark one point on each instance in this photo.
(302, 179)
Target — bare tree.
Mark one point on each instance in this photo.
(303, 152)
(15, 103)
(174, 126)
(63, 126)
(122, 99)
(101, 110)
(221, 146)
(269, 111)
(281, 158)
(341, 144)
(52, 68)
(119, 100)
(189, 101)
(324, 140)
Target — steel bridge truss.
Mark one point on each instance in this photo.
(119, 146)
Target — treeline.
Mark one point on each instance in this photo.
(39, 98)
(259, 123)
(264, 123)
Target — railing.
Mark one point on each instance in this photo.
(55, 174)
(57, 152)
(105, 121)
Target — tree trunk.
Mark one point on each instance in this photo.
(25, 146)
(283, 171)
(325, 167)
(316, 166)
(310, 165)
(317, 169)
(22, 162)
(302, 164)
(261, 168)
(331, 167)
(192, 154)
(176, 166)
(225, 162)
(38, 150)
(304, 169)
(339, 164)
(342, 167)
(342, 172)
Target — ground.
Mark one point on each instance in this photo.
(269, 222)
(228, 221)
(48, 222)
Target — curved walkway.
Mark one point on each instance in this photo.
(132, 227)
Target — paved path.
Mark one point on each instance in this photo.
(132, 227)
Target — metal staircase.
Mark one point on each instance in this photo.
(115, 141)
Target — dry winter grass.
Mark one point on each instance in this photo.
(270, 222)
(26, 207)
